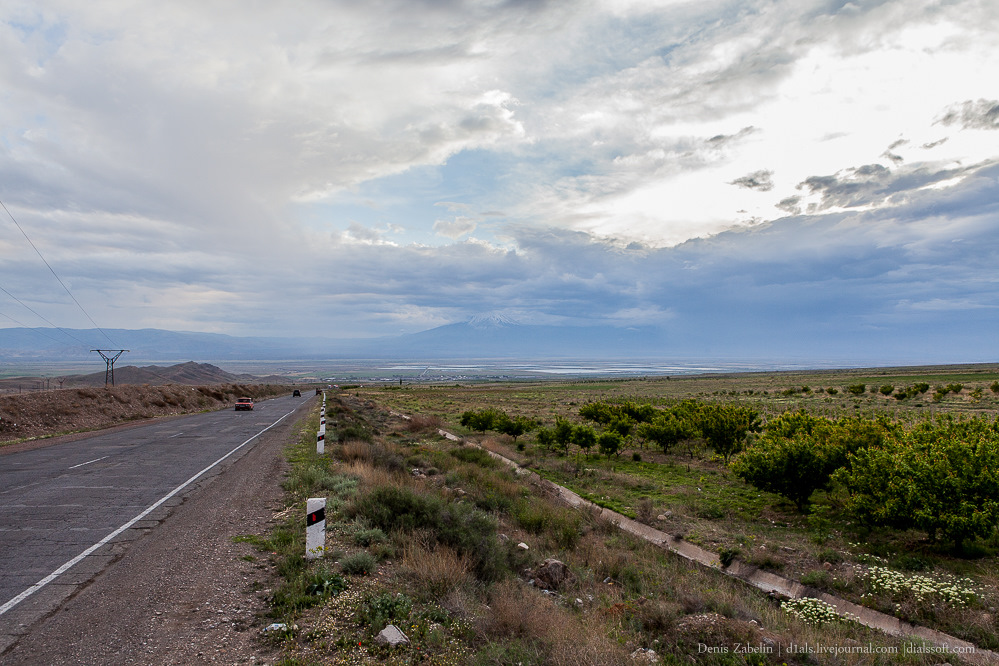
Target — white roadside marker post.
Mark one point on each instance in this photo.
(315, 528)
(321, 436)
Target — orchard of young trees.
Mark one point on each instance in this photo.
(940, 477)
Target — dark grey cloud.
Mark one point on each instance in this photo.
(873, 184)
(934, 144)
(973, 114)
(895, 158)
(790, 205)
(758, 180)
(721, 140)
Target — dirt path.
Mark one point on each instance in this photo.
(182, 594)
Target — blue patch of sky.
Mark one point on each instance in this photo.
(53, 35)
(607, 47)
(411, 200)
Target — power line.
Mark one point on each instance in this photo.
(40, 317)
(51, 270)
(23, 325)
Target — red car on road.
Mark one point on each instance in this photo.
(244, 403)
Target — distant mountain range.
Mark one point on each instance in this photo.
(480, 337)
(486, 337)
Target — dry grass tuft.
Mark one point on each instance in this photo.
(518, 612)
(424, 423)
(356, 450)
(436, 570)
(371, 476)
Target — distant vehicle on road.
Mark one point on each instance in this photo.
(244, 404)
(296, 394)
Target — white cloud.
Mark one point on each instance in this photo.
(207, 167)
(456, 228)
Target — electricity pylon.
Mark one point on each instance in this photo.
(109, 375)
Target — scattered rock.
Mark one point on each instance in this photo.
(504, 538)
(276, 626)
(391, 636)
(523, 546)
(645, 656)
(552, 573)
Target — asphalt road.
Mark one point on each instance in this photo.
(70, 509)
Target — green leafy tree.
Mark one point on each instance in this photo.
(639, 413)
(545, 438)
(790, 424)
(584, 437)
(622, 426)
(793, 468)
(515, 427)
(483, 420)
(598, 412)
(725, 427)
(667, 430)
(609, 443)
(563, 434)
(940, 484)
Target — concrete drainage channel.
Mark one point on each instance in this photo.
(764, 580)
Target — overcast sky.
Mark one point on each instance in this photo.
(772, 169)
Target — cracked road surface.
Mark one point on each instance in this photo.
(116, 547)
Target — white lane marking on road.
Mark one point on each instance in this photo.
(88, 462)
(27, 485)
(76, 560)
(177, 435)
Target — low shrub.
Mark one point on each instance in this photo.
(474, 455)
(459, 525)
(381, 610)
(366, 537)
(358, 564)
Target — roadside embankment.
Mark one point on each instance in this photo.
(45, 413)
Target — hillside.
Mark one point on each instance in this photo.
(43, 413)
(190, 374)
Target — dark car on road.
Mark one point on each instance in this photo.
(296, 394)
(244, 404)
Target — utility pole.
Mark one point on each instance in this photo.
(109, 360)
